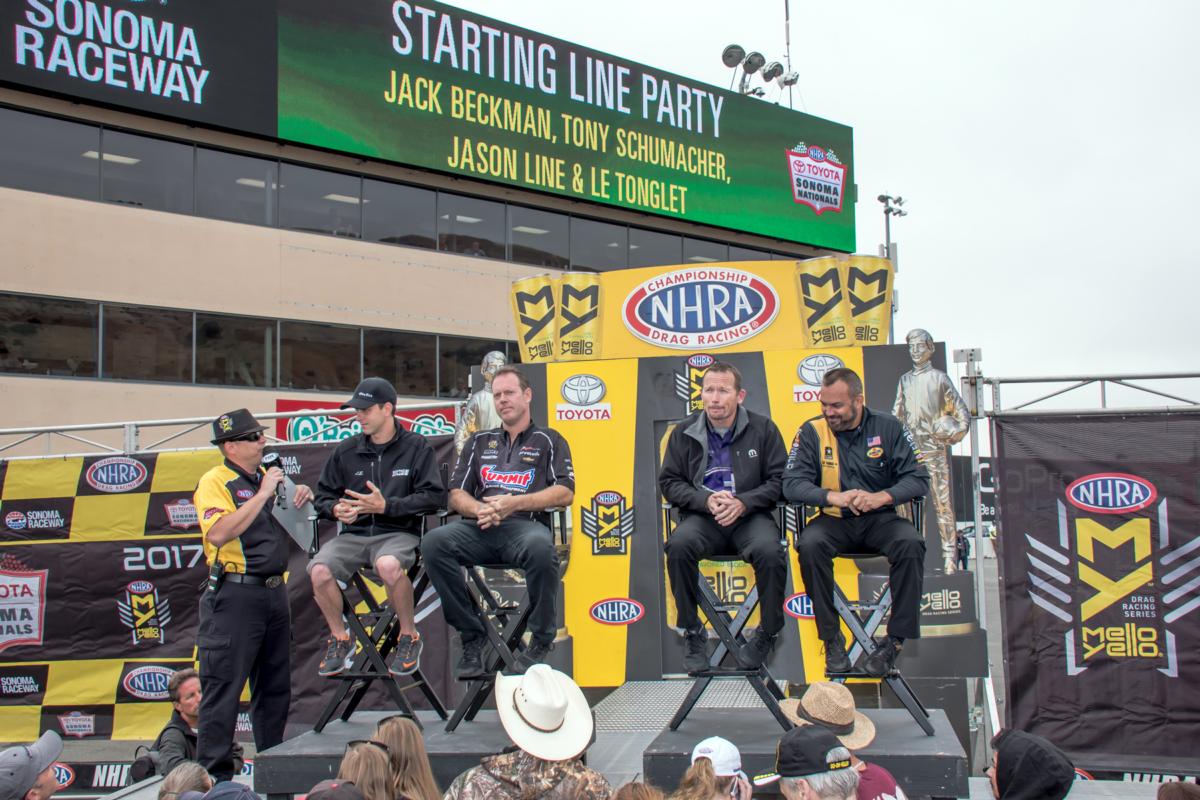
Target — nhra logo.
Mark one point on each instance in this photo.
(818, 178)
(689, 383)
(116, 474)
(812, 371)
(148, 683)
(493, 478)
(608, 523)
(799, 606)
(617, 611)
(181, 514)
(14, 520)
(64, 776)
(77, 724)
(583, 394)
(1111, 493)
(22, 605)
(144, 612)
(694, 308)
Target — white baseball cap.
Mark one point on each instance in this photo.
(724, 755)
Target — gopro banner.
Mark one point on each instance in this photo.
(747, 306)
(1098, 544)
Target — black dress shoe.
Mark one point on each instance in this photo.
(882, 659)
(695, 650)
(837, 660)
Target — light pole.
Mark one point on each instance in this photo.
(891, 208)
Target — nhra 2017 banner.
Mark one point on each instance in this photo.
(1100, 564)
(745, 306)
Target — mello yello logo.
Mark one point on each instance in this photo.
(696, 308)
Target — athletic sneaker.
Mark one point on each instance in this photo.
(339, 654)
(407, 657)
(535, 653)
(470, 665)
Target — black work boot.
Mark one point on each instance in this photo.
(837, 660)
(882, 659)
(754, 653)
(695, 650)
(470, 666)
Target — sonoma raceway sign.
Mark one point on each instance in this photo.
(692, 309)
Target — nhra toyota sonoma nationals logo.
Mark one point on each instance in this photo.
(22, 603)
(608, 523)
(812, 371)
(144, 612)
(583, 394)
(689, 383)
(617, 611)
(116, 474)
(691, 309)
(818, 178)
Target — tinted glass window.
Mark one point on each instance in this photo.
(699, 251)
(41, 336)
(470, 226)
(598, 246)
(237, 188)
(313, 356)
(652, 248)
(397, 214)
(43, 154)
(147, 173)
(235, 351)
(538, 237)
(147, 344)
(748, 254)
(319, 201)
(458, 355)
(408, 360)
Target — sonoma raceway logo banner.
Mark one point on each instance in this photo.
(1100, 562)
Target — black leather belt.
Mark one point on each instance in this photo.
(269, 581)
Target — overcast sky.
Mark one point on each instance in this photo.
(1048, 154)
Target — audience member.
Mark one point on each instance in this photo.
(411, 773)
(715, 773)
(368, 765)
(547, 717)
(831, 705)
(811, 764)
(1179, 790)
(230, 790)
(1027, 767)
(636, 790)
(334, 790)
(27, 771)
(187, 776)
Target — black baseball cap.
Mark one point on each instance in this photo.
(233, 424)
(371, 392)
(335, 790)
(804, 751)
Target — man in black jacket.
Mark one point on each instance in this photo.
(377, 485)
(858, 465)
(176, 743)
(722, 469)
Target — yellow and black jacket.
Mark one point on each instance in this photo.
(262, 549)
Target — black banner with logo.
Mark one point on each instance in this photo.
(1100, 569)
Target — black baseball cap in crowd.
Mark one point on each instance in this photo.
(804, 751)
(233, 424)
(371, 392)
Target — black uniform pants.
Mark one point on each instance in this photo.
(519, 542)
(884, 532)
(245, 632)
(754, 537)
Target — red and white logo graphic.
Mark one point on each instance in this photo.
(1111, 493)
(77, 724)
(116, 474)
(700, 307)
(182, 514)
(818, 178)
(22, 604)
(493, 478)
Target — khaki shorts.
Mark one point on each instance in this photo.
(347, 553)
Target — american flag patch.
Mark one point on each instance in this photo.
(874, 441)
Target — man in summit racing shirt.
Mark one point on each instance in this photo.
(505, 480)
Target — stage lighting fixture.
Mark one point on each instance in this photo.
(754, 62)
(733, 55)
(772, 71)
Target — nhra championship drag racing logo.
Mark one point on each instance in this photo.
(22, 603)
(695, 308)
(116, 474)
(608, 523)
(617, 611)
(799, 606)
(583, 394)
(148, 682)
(1127, 610)
(811, 372)
(144, 612)
(690, 383)
(818, 178)
(64, 776)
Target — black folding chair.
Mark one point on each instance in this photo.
(376, 632)
(728, 620)
(504, 622)
(864, 617)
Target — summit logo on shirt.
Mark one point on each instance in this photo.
(493, 478)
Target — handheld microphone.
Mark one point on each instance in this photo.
(272, 460)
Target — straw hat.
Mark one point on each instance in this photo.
(832, 706)
(544, 713)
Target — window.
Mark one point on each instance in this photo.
(598, 246)
(538, 237)
(397, 214)
(408, 360)
(236, 188)
(457, 355)
(653, 249)
(147, 173)
(699, 251)
(42, 154)
(235, 351)
(42, 336)
(147, 344)
(470, 226)
(314, 356)
(319, 201)
(748, 254)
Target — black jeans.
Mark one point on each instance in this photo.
(754, 537)
(517, 541)
(245, 632)
(883, 532)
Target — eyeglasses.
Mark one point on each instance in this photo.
(380, 745)
(249, 437)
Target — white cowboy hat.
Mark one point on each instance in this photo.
(544, 713)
